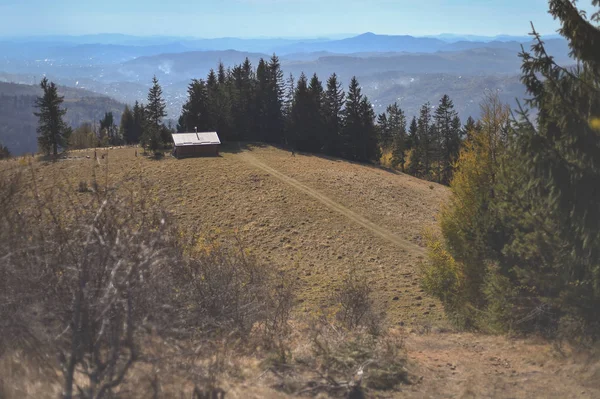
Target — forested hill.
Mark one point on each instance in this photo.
(18, 123)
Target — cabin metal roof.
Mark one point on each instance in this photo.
(200, 138)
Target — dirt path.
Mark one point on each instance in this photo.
(358, 219)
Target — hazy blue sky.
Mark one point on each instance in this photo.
(272, 18)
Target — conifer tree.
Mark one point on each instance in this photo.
(383, 131)
(53, 131)
(316, 129)
(421, 161)
(470, 126)
(155, 112)
(195, 113)
(448, 129)
(274, 101)
(353, 120)
(397, 129)
(127, 127)
(139, 122)
(108, 130)
(300, 116)
(333, 118)
(412, 139)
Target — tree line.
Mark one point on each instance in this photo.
(243, 103)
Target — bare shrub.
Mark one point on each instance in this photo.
(355, 304)
(75, 282)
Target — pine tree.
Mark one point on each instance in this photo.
(108, 130)
(300, 116)
(53, 131)
(397, 129)
(448, 129)
(352, 114)
(412, 139)
(274, 102)
(368, 147)
(384, 134)
(195, 113)
(139, 122)
(127, 127)
(333, 118)
(155, 112)
(261, 93)
(316, 124)
(423, 152)
(470, 127)
(290, 88)
(559, 156)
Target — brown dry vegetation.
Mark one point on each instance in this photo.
(316, 219)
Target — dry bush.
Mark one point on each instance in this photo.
(84, 275)
(355, 304)
(76, 283)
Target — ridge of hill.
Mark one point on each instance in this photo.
(18, 123)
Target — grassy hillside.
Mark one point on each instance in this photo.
(331, 217)
(17, 105)
(319, 219)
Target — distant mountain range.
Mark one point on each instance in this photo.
(411, 70)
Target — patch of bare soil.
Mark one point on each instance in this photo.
(478, 366)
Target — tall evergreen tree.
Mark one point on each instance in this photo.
(300, 116)
(108, 130)
(316, 122)
(412, 139)
(139, 122)
(195, 113)
(127, 127)
(274, 102)
(332, 111)
(353, 119)
(396, 122)
(155, 112)
(53, 131)
(383, 131)
(448, 129)
(421, 161)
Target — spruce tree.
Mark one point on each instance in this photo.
(300, 116)
(383, 131)
(274, 102)
(108, 130)
(139, 122)
(332, 112)
(559, 154)
(368, 147)
(412, 139)
(397, 129)
(448, 129)
(53, 131)
(316, 124)
(350, 138)
(195, 113)
(421, 163)
(127, 127)
(155, 112)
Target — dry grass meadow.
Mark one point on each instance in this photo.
(317, 219)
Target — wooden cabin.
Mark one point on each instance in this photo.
(201, 144)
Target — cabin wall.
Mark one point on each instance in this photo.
(197, 151)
